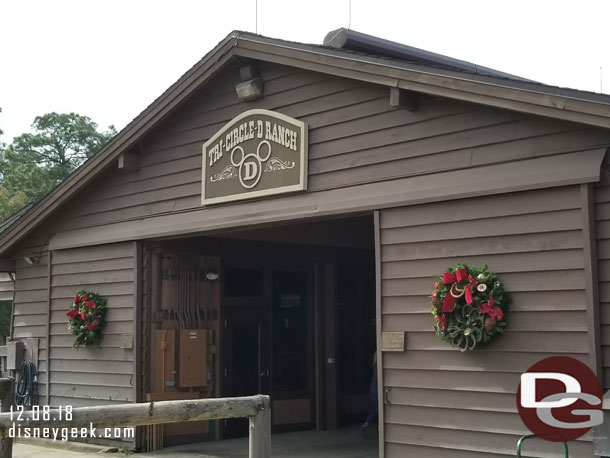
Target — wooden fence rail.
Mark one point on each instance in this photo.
(256, 408)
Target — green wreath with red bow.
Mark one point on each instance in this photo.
(469, 305)
(86, 318)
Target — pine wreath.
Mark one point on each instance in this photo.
(87, 318)
(468, 305)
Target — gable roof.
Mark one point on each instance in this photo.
(414, 70)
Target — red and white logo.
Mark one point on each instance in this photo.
(560, 399)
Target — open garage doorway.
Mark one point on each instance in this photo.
(288, 310)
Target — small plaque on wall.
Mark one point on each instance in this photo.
(126, 341)
(392, 341)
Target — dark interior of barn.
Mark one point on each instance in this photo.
(285, 310)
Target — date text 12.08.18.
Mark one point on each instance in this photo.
(41, 413)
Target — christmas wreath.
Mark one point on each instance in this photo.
(86, 318)
(468, 304)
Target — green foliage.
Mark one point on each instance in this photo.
(34, 163)
(477, 315)
(5, 320)
(2, 145)
(11, 204)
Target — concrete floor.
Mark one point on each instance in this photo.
(347, 442)
(38, 449)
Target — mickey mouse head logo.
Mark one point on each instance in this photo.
(250, 166)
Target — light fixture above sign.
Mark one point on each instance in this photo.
(259, 153)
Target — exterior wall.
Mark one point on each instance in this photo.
(355, 138)
(92, 375)
(450, 404)
(602, 216)
(84, 376)
(31, 305)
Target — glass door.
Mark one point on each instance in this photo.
(246, 357)
(291, 356)
(267, 345)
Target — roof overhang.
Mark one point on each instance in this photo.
(533, 98)
(570, 105)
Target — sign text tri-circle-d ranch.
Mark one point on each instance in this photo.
(258, 153)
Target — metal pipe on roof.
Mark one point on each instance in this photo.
(368, 44)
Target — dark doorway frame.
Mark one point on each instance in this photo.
(293, 246)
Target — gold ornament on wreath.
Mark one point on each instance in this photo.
(469, 305)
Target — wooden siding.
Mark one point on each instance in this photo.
(356, 138)
(93, 375)
(452, 404)
(602, 216)
(31, 306)
(6, 287)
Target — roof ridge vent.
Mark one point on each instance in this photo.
(350, 40)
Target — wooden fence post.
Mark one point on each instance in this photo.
(7, 393)
(256, 408)
(260, 431)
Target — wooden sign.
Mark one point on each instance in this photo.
(259, 153)
(392, 341)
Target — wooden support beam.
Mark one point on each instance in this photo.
(260, 432)
(404, 99)
(129, 162)
(256, 408)
(48, 328)
(146, 413)
(378, 329)
(587, 200)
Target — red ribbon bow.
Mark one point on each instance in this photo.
(450, 278)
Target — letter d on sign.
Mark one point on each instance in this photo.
(251, 171)
(528, 389)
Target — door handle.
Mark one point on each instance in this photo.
(386, 393)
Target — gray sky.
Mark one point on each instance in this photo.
(109, 59)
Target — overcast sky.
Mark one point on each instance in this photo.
(109, 59)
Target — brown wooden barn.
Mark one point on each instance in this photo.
(338, 181)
